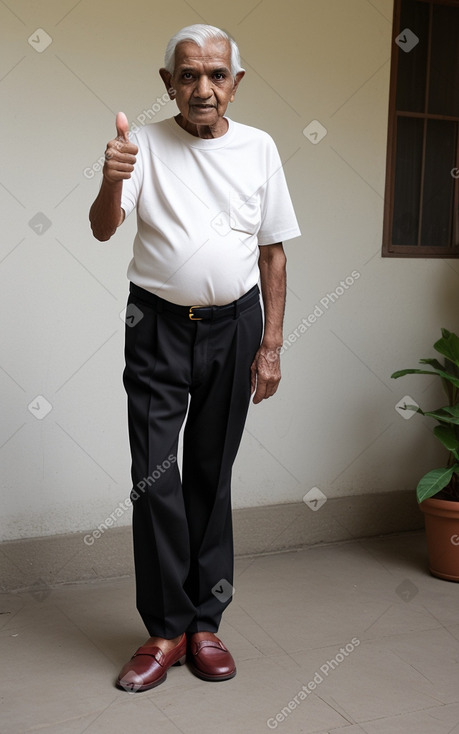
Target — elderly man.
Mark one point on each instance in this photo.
(212, 211)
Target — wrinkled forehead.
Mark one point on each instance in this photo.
(214, 52)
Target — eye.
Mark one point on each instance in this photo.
(219, 76)
(187, 75)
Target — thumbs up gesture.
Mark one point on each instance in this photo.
(122, 127)
(120, 153)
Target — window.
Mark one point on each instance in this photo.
(421, 217)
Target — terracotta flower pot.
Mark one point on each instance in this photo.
(442, 530)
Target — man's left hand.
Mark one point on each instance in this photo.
(265, 373)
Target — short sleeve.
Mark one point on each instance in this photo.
(132, 186)
(278, 219)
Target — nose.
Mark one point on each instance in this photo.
(203, 88)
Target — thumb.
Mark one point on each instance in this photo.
(122, 126)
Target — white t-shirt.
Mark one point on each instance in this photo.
(203, 208)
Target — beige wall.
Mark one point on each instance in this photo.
(333, 423)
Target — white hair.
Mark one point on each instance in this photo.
(199, 34)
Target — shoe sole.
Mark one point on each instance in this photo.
(211, 678)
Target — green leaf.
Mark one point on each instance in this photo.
(451, 391)
(451, 368)
(438, 373)
(433, 363)
(401, 373)
(434, 481)
(448, 414)
(447, 435)
(448, 345)
(451, 409)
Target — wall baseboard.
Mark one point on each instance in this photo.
(36, 564)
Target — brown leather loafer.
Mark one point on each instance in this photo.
(210, 659)
(149, 665)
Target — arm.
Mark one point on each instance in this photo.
(106, 214)
(265, 370)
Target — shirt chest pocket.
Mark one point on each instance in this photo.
(245, 214)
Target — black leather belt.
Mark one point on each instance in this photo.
(198, 313)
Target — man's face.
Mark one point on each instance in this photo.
(203, 83)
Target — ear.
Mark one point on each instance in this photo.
(166, 76)
(237, 79)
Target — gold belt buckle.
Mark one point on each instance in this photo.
(191, 315)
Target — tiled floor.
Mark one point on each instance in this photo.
(291, 615)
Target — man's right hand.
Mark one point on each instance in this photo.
(106, 213)
(120, 154)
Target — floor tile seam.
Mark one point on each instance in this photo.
(425, 709)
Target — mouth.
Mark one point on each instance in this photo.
(204, 106)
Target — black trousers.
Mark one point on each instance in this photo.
(182, 525)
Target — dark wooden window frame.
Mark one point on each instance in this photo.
(426, 251)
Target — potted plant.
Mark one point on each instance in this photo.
(438, 490)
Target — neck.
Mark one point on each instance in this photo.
(203, 131)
